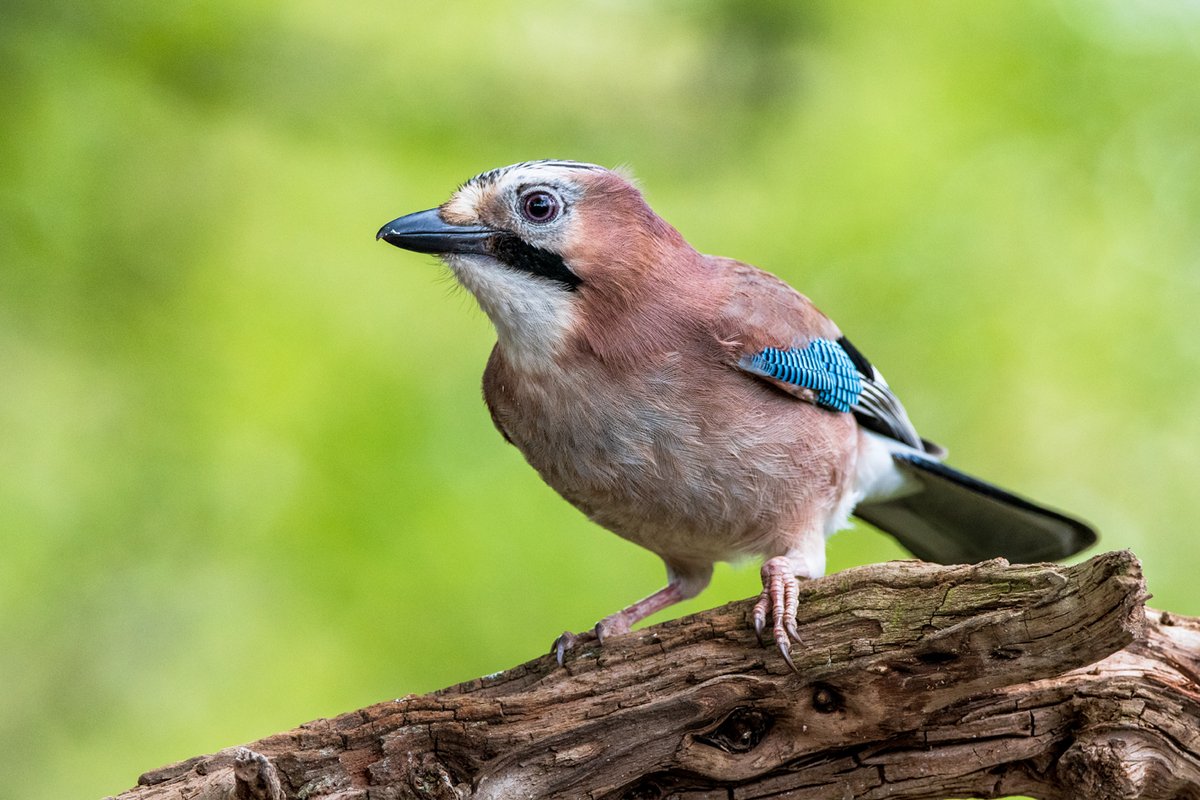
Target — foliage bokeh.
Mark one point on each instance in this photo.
(246, 478)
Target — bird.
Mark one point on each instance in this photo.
(696, 405)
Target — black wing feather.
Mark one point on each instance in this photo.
(877, 409)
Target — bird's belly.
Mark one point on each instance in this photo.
(691, 482)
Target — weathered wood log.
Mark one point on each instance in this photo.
(913, 681)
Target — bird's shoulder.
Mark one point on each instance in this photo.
(777, 335)
(762, 310)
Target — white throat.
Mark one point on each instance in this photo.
(532, 315)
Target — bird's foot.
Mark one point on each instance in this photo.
(613, 625)
(779, 599)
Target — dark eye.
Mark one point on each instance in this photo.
(539, 206)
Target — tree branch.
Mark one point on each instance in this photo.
(914, 681)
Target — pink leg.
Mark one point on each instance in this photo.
(626, 618)
(681, 585)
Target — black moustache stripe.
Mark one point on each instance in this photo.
(520, 255)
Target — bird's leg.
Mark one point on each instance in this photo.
(781, 594)
(626, 618)
(682, 584)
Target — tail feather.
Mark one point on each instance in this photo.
(954, 518)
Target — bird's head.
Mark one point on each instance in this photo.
(545, 247)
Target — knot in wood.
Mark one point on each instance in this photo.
(740, 731)
(826, 699)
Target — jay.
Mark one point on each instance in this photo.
(695, 405)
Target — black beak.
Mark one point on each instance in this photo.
(426, 232)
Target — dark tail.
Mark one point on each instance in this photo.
(957, 519)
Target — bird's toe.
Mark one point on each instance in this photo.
(760, 616)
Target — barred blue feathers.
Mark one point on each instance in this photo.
(822, 366)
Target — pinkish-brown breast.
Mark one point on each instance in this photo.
(649, 429)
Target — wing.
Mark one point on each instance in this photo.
(784, 340)
(834, 375)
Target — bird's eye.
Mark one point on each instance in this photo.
(539, 207)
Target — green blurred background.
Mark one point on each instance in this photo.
(246, 477)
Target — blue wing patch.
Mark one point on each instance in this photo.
(822, 366)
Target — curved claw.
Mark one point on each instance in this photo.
(793, 634)
(561, 645)
(785, 649)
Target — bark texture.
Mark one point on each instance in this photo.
(913, 681)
